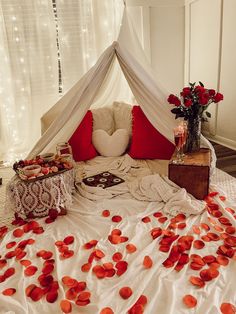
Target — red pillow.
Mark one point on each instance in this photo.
(147, 142)
(81, 140)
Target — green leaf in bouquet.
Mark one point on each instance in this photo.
(208, 114)
(200, 83)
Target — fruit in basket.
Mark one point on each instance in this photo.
(45, 170)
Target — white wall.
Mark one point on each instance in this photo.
(162, 32)
(210, 56)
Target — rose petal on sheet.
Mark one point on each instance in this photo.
(29, 289)
(197, 259)
(195, 266)
(230, 210)
(59, 243)
(53, 213)
(205, 226)
(190, 301)
(10, 254)
(45, 280)
(147, 262)
(218, 228)
(9, 291)
(198, 244)
(180, 217)
(181, 225)
(121, 267)
(205, 275)
(230, 230)
(124, 239)
(99, 271)
(168, 233)
(36, 294)
(205, 238)
(162, 219)
(25, 262)
(117, 257)
(222, 260)
(30, 270)
(196, 229)
(156, 232)
(184, 259)
(18, 233)
(69, 240)
(40, 253)
(131, 248)
(99, 254)
(51, 296)
(82, 303)
(48, 261)
(146, 219)
(86, 267)
(164, 248)
(114, 239)
(157, 214)
(2, 278)
(212, 194)
(9, 272)
(224, 221)
(66, 306)
(217, 213)
(68, 281)
(116, 218)
(208, 259)
(38, 230)
(3, 263)
(108, 265)
(213, 236)
(49, 220)
(125, 292)
(83, 296)
(106, 213)
(168, 263)
(197, 281)
(214, 265)
(230, 241)
(71, 294)
(110, 272)
(10, 244)
(81, 286)
(227, 308)
(222, 197)
(106, 310)
(47, 269)
(20, 255)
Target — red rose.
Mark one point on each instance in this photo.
(188, 103)
(203, 99)
(186, 91)
(174, 100)
(218, 97)
(200, 89)
(211, 92)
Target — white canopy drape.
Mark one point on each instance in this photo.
(66, 115)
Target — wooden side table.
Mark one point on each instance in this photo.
(193, 174)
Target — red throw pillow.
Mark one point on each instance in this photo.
(81, 140)
(147, 142)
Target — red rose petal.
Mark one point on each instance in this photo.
(9, 291)
(195, 266)
(198, 244)
(25, 262)
(106, 213)
(116, 232)
(162, 219)
(196, 281)
(47, 255)
(125, 292)
(59, 243)
(86, 267)
(47, 269)
(164, 248)
(29, 289)
(213, 236)
(222, 260)
(189, 301)
(71, 294)
(116, 218)
(18, 233)
(3, 263)
(69, 240)
(146, 219)
(83, 296)
(30, 270)
(66, 306)
(208, 259)
(117, 257)
(181, 226)
(38, 230)
(230, 230)
(82, 303)
(99, 254)
(147, 262)
(157, 214)
(131, 248)
(9, 272)
(121, 267)
(10, 244)
(106, 310)
(52, 296)
(196, 229)
(36, 294)
(224, 221)
(227, 308)
(168, 263)
(68, 281)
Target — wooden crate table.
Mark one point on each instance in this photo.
(36, 198)
(193, 174)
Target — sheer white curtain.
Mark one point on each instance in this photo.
(45, 47)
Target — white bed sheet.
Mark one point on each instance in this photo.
(164, 287)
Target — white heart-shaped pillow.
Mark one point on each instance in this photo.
(110, 145)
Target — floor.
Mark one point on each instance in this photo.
(226, 159)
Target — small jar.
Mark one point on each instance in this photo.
(64, 148)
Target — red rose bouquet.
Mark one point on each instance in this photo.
(193, 101)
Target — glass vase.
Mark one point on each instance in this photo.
(194, 134)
